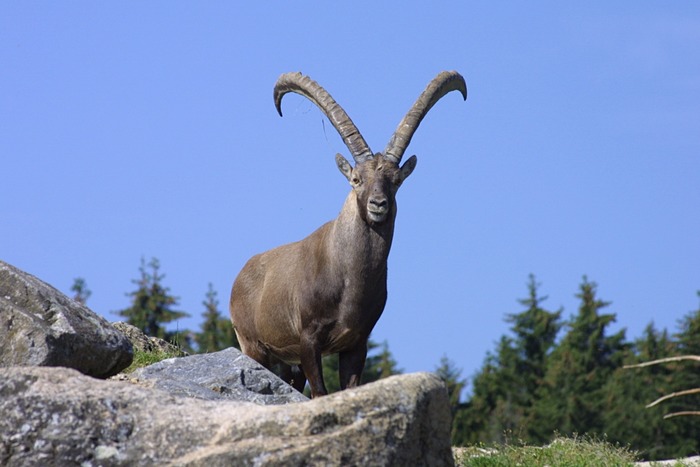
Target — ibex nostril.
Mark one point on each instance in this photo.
(378, 202)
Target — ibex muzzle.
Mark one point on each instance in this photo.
(324, 294)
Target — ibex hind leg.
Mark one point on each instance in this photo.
(293, 375)
(351, 364)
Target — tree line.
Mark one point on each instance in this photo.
(553, 376)
(548, 377)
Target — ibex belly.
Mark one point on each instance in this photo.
(339, 340)
(288, 354)
(279, 333)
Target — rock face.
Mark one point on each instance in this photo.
(144, 343)
(56, 416)
(39, 326)
(227, 374)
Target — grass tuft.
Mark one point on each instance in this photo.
(143, 358)
(565, 452)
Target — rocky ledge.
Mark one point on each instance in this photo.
(214, 409)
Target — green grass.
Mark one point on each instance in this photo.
(564, 452)
(142, 359)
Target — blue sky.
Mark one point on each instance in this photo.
(132, 129)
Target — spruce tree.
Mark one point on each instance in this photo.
(152, 305)
(647, 429)
(626, 418)
(657, 432)
(571, 397)
(217, 332)
(535, 332)
(489, 415)
(81, 291)
(685, 375)
(379, 365)
(688, 335)
(452, 377)
(504, 390)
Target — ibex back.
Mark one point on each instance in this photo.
(324, 294)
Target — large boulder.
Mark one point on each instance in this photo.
(151, 344)
(227, 374)
(39, 326)
(56, 416)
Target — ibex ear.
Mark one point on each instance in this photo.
(343, 165)
(407, 168)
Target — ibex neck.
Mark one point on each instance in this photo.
(357, 240)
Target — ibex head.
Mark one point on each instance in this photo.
(375, 178)
(375, 182)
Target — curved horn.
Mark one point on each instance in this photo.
(300, 84)
(443, 83)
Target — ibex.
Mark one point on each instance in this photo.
(324, 294)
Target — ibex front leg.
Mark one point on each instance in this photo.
(311, 364)
(351, 365)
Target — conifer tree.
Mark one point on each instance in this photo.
(629, 390)
(489, 415)
(688, 336)
(152, 305)
(685, 375)
(217, 332)
(535, 332)
(505, 388)
(380, 365)
(645, 428)
(82, 293)
(571, 398)
(452, 377)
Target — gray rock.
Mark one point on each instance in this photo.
(687, 462)
(41, 326)
(144, 343)
(56, 416)
(227, 374)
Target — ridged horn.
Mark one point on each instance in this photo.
(305, 86)
(443, 83)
